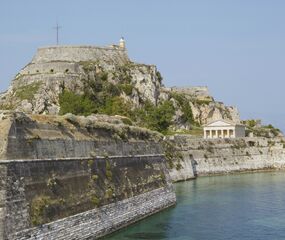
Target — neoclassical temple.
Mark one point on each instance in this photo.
(223, 129)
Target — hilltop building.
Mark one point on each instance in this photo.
(122, 43)
(223, 129)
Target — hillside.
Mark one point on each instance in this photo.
(103, 80)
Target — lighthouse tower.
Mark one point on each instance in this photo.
(122, 43)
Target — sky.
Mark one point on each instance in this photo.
(236, 48)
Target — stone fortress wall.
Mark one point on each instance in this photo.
(50, 67)
(200, 92)
(53, 199)
(80, 53)
(62, 59)
(59, 178)
(221, 156)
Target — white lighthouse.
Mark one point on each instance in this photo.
(122, 43)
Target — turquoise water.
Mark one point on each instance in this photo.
(245, 206)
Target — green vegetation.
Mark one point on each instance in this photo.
(94, 177)
(43, 207)
(153, 117)
(156, 118)
(109, 193)
(178, 166)
(95, 201)
(185, 106)
(7, 107)
(159, 77)
(267, 131)
(206, 101)
(75, 104)
(251, 123)
(103, 96)
(195, 131)
(108, 170)
(27, 92)
(254, 127)
(172, 155)
(127, 88)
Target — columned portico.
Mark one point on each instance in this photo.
(223, 129)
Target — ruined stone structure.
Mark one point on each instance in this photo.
(61, 180)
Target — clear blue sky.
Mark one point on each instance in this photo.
(237, 48)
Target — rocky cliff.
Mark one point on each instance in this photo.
(107, 78)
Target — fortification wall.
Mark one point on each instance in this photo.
(219, 156)
(36, 148)
(201, 91)
(80, 198)
(81, 53)
(51, 68)
(59, 178)
(39, 137)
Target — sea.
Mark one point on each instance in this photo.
(247, 206)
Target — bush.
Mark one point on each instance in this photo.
(127, 88)
(157, 118)
(28, 91)
(159, 77)
(184, 104)
(76, 104)
(116, 106)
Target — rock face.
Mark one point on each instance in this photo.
(204, 108)
(61, 180)
(37, 87)
(222, 156)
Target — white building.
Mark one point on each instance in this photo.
(223, 129)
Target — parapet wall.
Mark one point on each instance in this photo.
(40, 137)
(80, 198)
(81, 53)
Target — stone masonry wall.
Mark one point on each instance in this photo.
(80, 53)
(80, 198)
(219, 156)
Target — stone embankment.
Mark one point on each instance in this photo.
(197, 157)
(60, 180)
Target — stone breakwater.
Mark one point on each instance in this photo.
(197, 157)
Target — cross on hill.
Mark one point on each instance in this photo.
(57, 27)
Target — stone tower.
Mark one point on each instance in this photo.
(122, 43)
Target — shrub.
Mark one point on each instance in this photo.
(159, 77)
(115, 106)
(156, 118)
(76, 104)
(127, 88)
(28, 91)
(184, 104)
